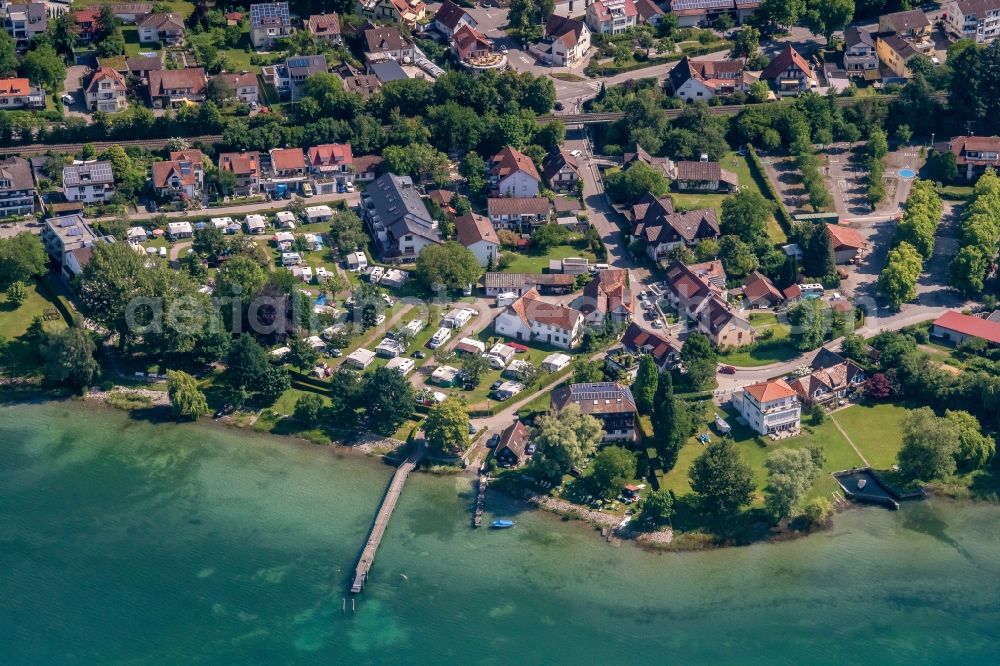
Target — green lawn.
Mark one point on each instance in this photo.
(875, 429)
(775, 350)
(530, 262)
(21, 356)
(955, 192)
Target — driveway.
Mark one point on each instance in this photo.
(72, 85)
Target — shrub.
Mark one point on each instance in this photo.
(818, 510)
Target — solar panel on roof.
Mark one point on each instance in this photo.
(676, 5)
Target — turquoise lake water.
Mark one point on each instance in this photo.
(121, 541)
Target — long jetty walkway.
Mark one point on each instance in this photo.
(382, 520)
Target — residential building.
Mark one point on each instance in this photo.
(24, 22)
(244, 85)
(530, 318)
(450, 17)
(692, 80)
(387, 43)
(246, 167)
(760, 292)
(170, 87)
(477, 234)
(88, 24)
(269, 21)
(860, 57)
(512, 445)
(662, 230)
(565, 42)
(895, 53)
(90, 182)
(182, 176)
(974, 154)
(637, 341)
(978, 20)
(611, 17)
(611, 403)
(397, 218)
(388, 71)
(470, 46)
(770, 407)
(521, 213)
(957, 328)
(69, 240)
(912, 24)
(20, 94)
(694, 13)
(289, 78)
(607, 297)
(130, 13)
(636, 154)
(704, 176)
(561, 170)
(495, 283)
(789, 72)
(105, 90)
(405, 12)
(649, 12)
(288, 169)
(140, 66)
(513, 174)
(332, 167)
(848, 245)
(167, 29)
(325, 27)
(17, 187)
(367, 168)
(357, 83)
(698, 293)
(833, 378)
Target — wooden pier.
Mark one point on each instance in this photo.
(477, 520)
(382, 521)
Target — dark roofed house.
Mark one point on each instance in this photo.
(386, 43)
(450, 17)
(397, 217)
(638, 340)
(608, 295)
(693, 80)
(325, 27)
(649, 12)
(912, 23)
(789, 71)
(518, 212)
(662, 230)
(17, 187)
(636, 154)
(512, 445)
(171, 87)
(560, 170)
(609, 402)
(833, 377)
(495, 283)
(704, 176)
(565, 41)
(477, 234)
(759, 291)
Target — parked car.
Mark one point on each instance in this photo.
(336, 353)
(419, 354)
(472, 429)
(727, 370)
(559, 106)
(68, 98)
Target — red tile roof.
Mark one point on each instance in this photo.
(284, 159)
(510, 160)
(473, 228)
(969, 325)
(15, 86)
(773, 390)
(330, 153)
(242, 164)
(845, 238)
(788, 58)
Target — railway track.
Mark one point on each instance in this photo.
(155, 144)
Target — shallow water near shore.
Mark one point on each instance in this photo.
(121, 541)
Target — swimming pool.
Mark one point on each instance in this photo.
(321, 299)
(907, 173)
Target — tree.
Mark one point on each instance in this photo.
(210, 243)
(782, 12)
(8, 55)
(644, 387)
(301, 354)
(586, 372)
(388, 400)
(878, 387)
(473, 169)
(309, 409)
(43, 66)
(186, 399)
(474, 366)
(747, 43)
(698, 358)
(69, 358)
(110, 282)
(658, 506)
(348, 230)
(808, 324)
(420, 160)
(635, 182)
(818, 259)
(220, 90)
(974, 448)
(17, 293)
(745, 215)
(564, 440)
(791, 473)
(612, 468)
(450, 264)
(942, 167)
(447, 427)
(548, 236)
(247, 367)
(241, 278)
(672, 423)
(738, 258)
(22, 257)
(721, 478)
(759, 92)
(929, 446)
(826, 17)
(898, 280)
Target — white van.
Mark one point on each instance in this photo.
(163, 253)
(505, 299)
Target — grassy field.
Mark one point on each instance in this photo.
(20, 356)
(738, 165)
(875, 429)
(529, 262)
(775, 350)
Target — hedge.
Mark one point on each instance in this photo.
(767, 187)
(596, 70)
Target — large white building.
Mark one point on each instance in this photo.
(88, 181)
(769, 407)
(530, 318)
(974, 19)
(611, 17)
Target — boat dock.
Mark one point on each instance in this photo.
(382, 520)
(477, 520)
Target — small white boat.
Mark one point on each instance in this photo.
(861, 483)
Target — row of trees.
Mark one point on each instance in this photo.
(876, 148)
(913, 244)
(979, 236)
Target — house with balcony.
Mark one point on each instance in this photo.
(325, 27)
(978, 20)
(20, 94)
(698, 294)
(180, 177)
(24, 22)
(289, 78)
(638, 342)
(703, 176)
(611, 17)
(17, 187)
(521, 213)
(69, 240)
(88, 24)
(531, 318)
(404, 12)
(89, 182)
(166, 29)
(172, 87)
(244, 85)
(397, 218)
(860, 57)
(607, 297)
(287, 170)
(770, 408)
(513, 174)
(475, 50)
(246, 167)
(269, 21)
(693, 80)
(833, 377)
(565, 42)
(973, 154)
(450, 17)
(695, 13)
(662, 229)
(789, 72)
(611, 403)
(105, 90)
(331, 166)
(561, 170)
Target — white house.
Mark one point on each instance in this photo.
(88, 182)
(770, 407)
(611, 17)
(477, 234)
(359, 359)
(179, 230)
(974, 19)
(450, 17)
(530, 318)
(514, 174)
